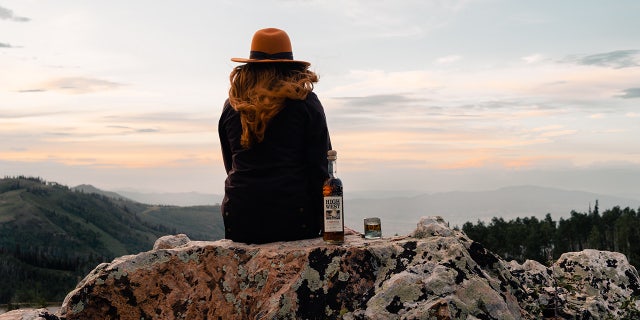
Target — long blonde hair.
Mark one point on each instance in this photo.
(259, 90)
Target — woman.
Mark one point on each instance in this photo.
(274, 139)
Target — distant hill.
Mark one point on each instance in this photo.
(184, 212)
(50, 234)
(87, 188)
(172, 198)
(192, 213)
(400, 214)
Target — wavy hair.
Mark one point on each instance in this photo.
(259, 90)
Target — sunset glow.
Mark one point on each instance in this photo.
(486, 88)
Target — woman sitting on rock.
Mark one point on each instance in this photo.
(274, 140)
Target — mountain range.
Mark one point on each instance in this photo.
(401, 210)
(399, 215)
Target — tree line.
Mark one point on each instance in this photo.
(544, 240)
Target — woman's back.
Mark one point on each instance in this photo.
(286, 167)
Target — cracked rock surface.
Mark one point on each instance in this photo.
(434, 273)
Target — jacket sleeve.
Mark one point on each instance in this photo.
(224, 140)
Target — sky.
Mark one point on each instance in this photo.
(420, 96)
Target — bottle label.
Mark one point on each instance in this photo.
(333, 214)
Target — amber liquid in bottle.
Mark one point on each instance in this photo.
(333, 229)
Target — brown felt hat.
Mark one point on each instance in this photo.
(270, 45)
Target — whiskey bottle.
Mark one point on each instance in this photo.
(333, 229)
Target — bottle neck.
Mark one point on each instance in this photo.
(333, 169)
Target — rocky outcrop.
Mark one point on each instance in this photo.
(589, 284)
(437, 272)
(434, 273)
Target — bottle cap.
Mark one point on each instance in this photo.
(332, 155)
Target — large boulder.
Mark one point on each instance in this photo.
(437, 272)
(589, 284)
(434, 273)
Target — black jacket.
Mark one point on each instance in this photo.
(273, 189)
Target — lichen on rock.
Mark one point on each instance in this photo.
(434, 273)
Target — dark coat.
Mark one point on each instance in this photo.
(273, 189)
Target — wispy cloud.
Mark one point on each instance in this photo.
(133, 130)
(533, 58)
(448, 59)
(6, 14)
(630, 93)
(160, 117)
(615, 59)
(377, 100)
(75, 85)
(387, 19)
(13, 114)
(147, 130)
(384, 111)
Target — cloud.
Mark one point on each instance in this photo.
(133, 130)
(448, 59)
(630, 93)
(615, 59)
(388, 19)
(8, 46)
(58, 134)
(6, 14)
(384, 111)
(7, 114)
(376, 100)
(164, 117)
(75, 85)
(533, 58)
(147, 130)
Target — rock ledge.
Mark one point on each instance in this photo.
(435, 273)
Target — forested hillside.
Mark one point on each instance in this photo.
(51, 236)
(615, 229)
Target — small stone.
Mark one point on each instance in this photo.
(432, 226)
(171, 241)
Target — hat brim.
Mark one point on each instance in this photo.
(243, 60)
